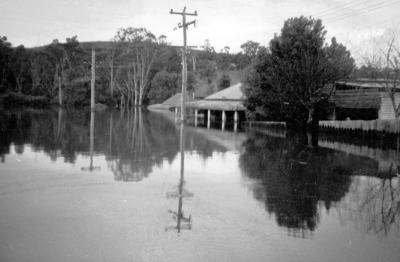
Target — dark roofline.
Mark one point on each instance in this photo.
(239, 100)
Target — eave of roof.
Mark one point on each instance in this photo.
(231, 93)
(227, 105)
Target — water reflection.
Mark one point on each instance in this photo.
(182, 221)
(294, 183)
(133, 142)
(91, 146)
(376, 206)
(295, 180)
(138, 144)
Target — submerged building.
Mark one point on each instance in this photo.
(363, 99)
(223, 106)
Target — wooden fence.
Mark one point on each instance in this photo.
(386, 126)
(390, 126)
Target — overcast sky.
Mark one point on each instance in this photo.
(224, 22)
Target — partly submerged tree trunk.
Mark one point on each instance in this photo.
(60, 94)
(122, 102)
(19, 85)
(394, 105)
(311, 127)
(311, 115)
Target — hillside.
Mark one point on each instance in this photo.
(60, 71)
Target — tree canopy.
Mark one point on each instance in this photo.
(289, 79)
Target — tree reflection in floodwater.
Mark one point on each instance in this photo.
(138, 143)
(293, 179)
(383, 206)
(133, 142)
(376, 209)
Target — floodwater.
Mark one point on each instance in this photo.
(123, 191)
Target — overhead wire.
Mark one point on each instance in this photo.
(364, 10)
(335, 15)
(340, 8)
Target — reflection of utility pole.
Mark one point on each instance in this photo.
(110, 134)
(91, 147)
(59, 122)
(182, 193)
(184, 26)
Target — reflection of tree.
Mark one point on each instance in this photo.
(133, 142)
(141, 144)
(55, 133)
(294, 179)
(380, 206)
(5, 137)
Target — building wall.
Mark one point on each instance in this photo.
(386, 109)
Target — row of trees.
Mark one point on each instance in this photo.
(133, 69)
(41, 74)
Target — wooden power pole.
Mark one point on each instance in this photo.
(184, 25)
(93, 80)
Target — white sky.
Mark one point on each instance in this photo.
(224, 22)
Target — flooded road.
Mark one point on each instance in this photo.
(109, 187)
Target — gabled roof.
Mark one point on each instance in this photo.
(231, 93)
(175, 100)
(366, 83)
(229, 99)
(227, 105)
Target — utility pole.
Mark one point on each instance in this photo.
(184, 26)
(92, 82)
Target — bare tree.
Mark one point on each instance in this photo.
(133, 80)
(385, 59)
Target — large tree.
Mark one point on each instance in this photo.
(292, 76)
(20, 67)
(250, 49)
(163, 85)
(5, 57)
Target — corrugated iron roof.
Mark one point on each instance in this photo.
(175, 100)
(357, 98)
(228, 105)
(368, 83)
(231, 93)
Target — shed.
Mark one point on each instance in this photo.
(363, 99)
(228, 99)
(229, 102)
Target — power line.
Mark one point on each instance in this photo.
(367, 9)
(351, 13)
(337, 9)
